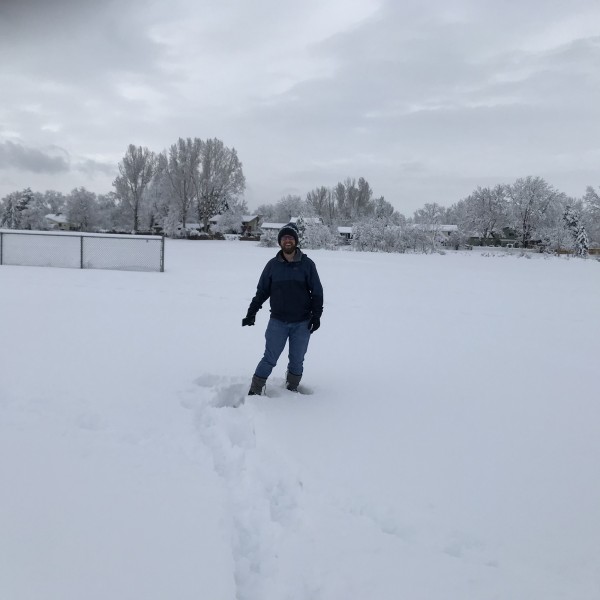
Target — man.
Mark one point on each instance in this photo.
(292, 283)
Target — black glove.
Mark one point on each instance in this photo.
(314, 324)
(249, 320)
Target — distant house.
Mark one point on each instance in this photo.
(308, 220)
(214, 220)
(277, 226)
(345, 233)
(58, 222)
(445, 230)
(250, 225)
(267, 227)
(190, 228)
(507, 238)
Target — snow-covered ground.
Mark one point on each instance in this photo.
(446, 447)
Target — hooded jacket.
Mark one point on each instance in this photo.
(294, 288)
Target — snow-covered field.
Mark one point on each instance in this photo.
(447, 448)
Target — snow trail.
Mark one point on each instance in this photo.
(289, 530)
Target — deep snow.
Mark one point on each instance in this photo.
(446, 449)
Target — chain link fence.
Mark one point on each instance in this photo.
(82, 250)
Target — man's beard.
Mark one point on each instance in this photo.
(289, 250)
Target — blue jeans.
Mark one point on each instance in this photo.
(277, 334)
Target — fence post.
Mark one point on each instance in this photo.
(81, 251)
(162, 255)
(1, 246)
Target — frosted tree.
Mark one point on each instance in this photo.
(486, 210)
(231, 219)
(136, 170)
(54, 201)
(160, 201)
(592, 198)
(363, 205)
(321, 203)
(572, 219)
(301, 226)
(368, 235)
(34, 211)
(82, 210)
(288, 207)
(591, 214)
(382, 209)
(220, 181)
(342, 204)
(266, 211)
(182, 172)
(108, 207)
(529, 200)
(14, 207)
(428, 221)
(318, 235)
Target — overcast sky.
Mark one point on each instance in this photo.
(426, 100)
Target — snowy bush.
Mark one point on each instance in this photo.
(378, 235)
(318, 236)
(269, 239)
(230, 222)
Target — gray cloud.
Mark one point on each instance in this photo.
(427, 101)
(24, 158)
(95, 167)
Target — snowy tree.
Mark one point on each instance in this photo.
(182, 171)
(266, 211)
(220, 180)
(14, 206)
(34, 214)
(591, 214)
(318, 235)
(301, 226)
(108, 211)
(54, 202)
(136, 171)
(231, 219)
(486, 210)
(320, 203)
(352, 200)
(592, 198)
(529, 200)
(160, 198)
(269, 239)
(428, 221)
(363, 205)
(288, 207)
(379, 235)
(82, 210)
(572, 219)
(368, 235)
(384, 210)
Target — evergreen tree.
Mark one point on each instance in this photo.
(301, 226)
(578, 233)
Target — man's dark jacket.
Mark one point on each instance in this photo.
(294, 288)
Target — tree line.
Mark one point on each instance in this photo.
(197, 179)
(193, 179)
(529, 210)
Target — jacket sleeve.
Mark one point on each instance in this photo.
(316, 291)
(263, 290)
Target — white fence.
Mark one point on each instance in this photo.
(82, 250)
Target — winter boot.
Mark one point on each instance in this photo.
(292, 381)
(257, 386)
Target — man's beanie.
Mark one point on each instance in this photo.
(289, 229)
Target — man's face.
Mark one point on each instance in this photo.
(288, 244)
